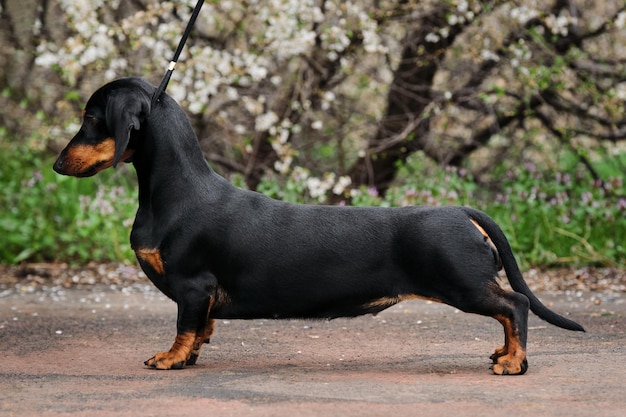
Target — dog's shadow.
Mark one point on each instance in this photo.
(392, 367)
(369, 380)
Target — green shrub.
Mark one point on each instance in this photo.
(562, 218)
(47, 217)
(550, 218)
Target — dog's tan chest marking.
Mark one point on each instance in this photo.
(153, 258)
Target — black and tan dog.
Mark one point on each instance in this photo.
(222, 252)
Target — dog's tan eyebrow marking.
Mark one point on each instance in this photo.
(153, 258)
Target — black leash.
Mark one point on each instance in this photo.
(181, 44)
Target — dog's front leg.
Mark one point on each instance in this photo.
(176, 357)
(194, 303)
(201, 338)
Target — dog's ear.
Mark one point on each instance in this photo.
(126, 109)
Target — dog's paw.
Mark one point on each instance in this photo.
(498, 353)
(177, 356)
(507, 366)
(166, 360)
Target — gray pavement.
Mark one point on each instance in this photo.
(81, 352)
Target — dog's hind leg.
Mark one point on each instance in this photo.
(511, 310)
(511, 358)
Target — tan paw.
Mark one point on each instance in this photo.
(507, 365)
(166, 360)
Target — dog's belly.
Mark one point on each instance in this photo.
(316, 296)
(346, 309)
(306, 310)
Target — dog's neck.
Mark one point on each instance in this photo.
(168, 158)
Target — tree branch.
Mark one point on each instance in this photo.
(548, 124)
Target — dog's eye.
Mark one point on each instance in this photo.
(90, 118)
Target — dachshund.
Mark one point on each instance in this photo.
(220, 252)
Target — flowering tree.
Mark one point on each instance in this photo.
(331, 95)
(540, 77)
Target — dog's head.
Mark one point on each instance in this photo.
(111, 115)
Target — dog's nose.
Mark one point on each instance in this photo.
(58, 165)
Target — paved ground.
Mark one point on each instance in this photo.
(80, 353)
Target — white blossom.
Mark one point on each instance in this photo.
(47, 59)
(558, 24)
(620, 91)
(264, 122)
(252, 105)
(317, 125)
(195, 106)
(283, 166)
(318, 188)
(258, 72)
(432, 37)
(232, 93)
(486, 54)
(342, 183)
(523, 14)
(620, 21)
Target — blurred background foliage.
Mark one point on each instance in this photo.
(514, 107)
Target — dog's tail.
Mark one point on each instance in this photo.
(513, 273)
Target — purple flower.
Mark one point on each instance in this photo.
(563, 178)
(36, 178)
(372, 192)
